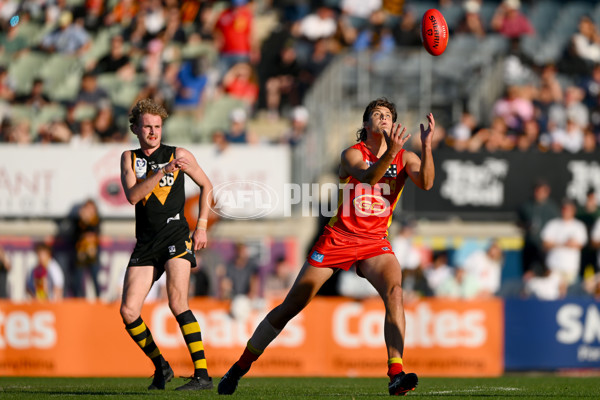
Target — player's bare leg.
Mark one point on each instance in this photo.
(138, 281)
(307, 284)
(178, 278)
(385, 274)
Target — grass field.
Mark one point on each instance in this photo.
(507, 387)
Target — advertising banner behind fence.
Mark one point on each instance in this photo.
(332, 337)
(549, 335)
(492, 186)
(48, 181)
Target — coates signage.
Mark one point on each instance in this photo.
(443, 338)
(552, 334)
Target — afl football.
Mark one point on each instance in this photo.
(434, 32)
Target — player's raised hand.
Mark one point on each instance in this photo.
(397, 138)
(427, 134)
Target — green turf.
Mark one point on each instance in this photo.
(508, 387)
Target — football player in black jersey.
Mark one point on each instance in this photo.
(153, 180)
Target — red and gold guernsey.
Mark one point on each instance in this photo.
(364, 209)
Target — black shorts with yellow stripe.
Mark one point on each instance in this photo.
(161, 250)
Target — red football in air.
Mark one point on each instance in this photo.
(434, 32)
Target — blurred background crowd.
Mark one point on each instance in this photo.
(240, 71)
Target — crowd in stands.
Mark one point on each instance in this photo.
(86, 62)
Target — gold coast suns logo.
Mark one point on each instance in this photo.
(369, 204)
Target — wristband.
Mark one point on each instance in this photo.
(202, 223)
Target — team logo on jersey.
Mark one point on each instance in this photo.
(140, 168)
(318, 257)
(369, 204)
(172, 249)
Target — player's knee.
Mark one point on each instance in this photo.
(395, 294)
(128, 314)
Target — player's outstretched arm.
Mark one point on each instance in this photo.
(188, 164)
(422, 171)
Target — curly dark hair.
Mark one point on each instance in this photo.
(146, 106)
(361, 134)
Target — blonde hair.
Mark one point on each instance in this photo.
(146, 106)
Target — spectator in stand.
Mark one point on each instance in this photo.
(514, 108)
(568, 139)
(471, 22)
(86, 243)
(544, 284)
(233, 35)
(320, 58)
(486, 267)
(408, 255)
(241, 82)
(298, 127)
(4, 269)
(238, 131)
(173, 30)
(123, 13)
(279, 280)
(46, 279)
(589, 213)
(563, 238)
(595, 241)
(532, 217)
(376, 36)
(572, 108)
(407, 33)
(12, 43)
(117, 61)
(153, 16)
(69, 38)
(591, 87)
(90, 93)
(460, 285)
(358, 12)
(461, 133)
(241, 281)
(438, 271)
(7, 86)
(105, 126)
(590, 141)
(192, 82)
(36, 97)
(528, 139)
(509, 21)
(492, 139)
(586, 41)
(282, 85)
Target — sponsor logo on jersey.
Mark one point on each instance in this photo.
(369, 204)
(385, 248)
(172, 249)
(140, 168)
(133, 260)
(318, 257)
(175, 218)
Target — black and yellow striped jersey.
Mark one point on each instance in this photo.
(161, 210)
